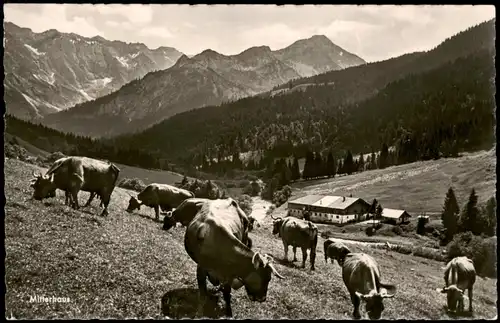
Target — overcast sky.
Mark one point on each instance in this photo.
(371, 32)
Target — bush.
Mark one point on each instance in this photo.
(271, 209)
(245, 202)
(482, 251)
(397, 230)
(370, 231)
(132, 184)
(253, 188)
(243, 183)
(280, 197)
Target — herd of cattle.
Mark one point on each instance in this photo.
(217, 239)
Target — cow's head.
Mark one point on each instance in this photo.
(169, 220)
(252, 223)
(374, 300)
(257, 282)
(43, 186)
(343, 252)
(455, 296)
(133, 204)
(277, 222)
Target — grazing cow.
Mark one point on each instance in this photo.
(188, 209)
(459, 275)
(297, 233)
(362, 278)
(159, 195)
(184, 213)
(213, 240)
(335, 251)
(68, 200)
(74, 174)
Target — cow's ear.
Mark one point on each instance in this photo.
(233, 203)
(387, 290)
(361, 296)
(236, 284)
(442, 290)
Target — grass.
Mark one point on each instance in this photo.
(417, 187)
(125, 266)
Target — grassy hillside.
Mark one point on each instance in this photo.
(125, 266)
(416, 187)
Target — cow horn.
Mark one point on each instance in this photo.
(272, 217)
(275, 271)
(35, 175)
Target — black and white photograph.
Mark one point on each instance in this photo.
(249, 161)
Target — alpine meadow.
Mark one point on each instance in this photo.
(158, 158)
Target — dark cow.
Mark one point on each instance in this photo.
(459, 275)
(213, 239)
(159, 195)
(74, 174)
(68, 200)
(184, 213)
(335, 251)
(297, 233)
(188, 209)
(362, 278)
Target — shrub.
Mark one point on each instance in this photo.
(243, 183)
(397, 230)
(132, 184)
(370, 231)
(482, 252)
(253, 188)
(245, 202)
(280, 197)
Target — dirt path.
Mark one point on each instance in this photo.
(259, 208)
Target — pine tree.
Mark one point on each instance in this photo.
(295, 169)
(361, 163)
(470, 214)
(330, 164)
(379, 211)
(373, 207)
(384, 156)
(308, 166)
(349, 163)
(489, 217)
(450, 214)
(373, 161)
(318, 165)
(340, 169)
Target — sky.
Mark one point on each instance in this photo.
(372, 32)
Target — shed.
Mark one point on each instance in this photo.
(394, 215)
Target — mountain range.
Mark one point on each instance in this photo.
(208, 78)
(51, 71)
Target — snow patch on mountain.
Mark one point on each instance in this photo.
(123, 61)
(85, 95)
(134, 55)
(34, 50)
(31, 101)
(303, 70)
(102, 82)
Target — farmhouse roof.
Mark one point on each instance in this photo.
(393, 213)
(328, 201)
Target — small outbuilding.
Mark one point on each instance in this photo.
(395, 216)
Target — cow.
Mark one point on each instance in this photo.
(184, 213)
(335, 251)
(213, 240)
(297, 233)
(459, 275)
(188, 209)
(361, 276)
(68, 199)
(159, 195)
(73, 174)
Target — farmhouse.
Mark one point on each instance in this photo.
(329, 209)
(397, 216)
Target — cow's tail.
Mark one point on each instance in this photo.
(117, 172)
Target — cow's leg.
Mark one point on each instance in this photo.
(157, 212)
(201, 277)
(294, 253)
(105, 197)
(312, 258)
(91, 197)
(285, 246)
(470, 299)
(226, 292)
(355, 301)
(304, 257)
(74, 196)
